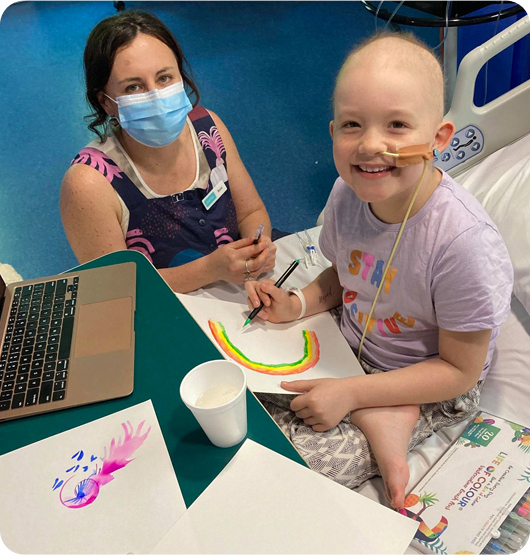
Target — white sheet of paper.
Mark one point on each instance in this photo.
(276, 343)
(131, 513)
(264, 503)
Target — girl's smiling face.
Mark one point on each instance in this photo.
(381, 105)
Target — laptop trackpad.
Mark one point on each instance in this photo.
(104, 327)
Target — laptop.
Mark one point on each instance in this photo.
(66, 340)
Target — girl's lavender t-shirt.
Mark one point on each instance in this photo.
(451, 270)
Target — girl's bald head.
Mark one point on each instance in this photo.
(395, 52)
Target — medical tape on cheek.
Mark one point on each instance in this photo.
(413, 154)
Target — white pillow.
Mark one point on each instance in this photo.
(501, 182)
(506, 390)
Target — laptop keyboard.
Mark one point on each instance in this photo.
(36, 348)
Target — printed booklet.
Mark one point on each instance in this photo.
(462, 501)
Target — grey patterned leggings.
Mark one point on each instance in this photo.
(343, 453)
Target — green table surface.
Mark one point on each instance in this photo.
(168, 344)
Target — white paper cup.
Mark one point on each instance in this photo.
(226, 424)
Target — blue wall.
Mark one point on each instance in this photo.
(267, 68)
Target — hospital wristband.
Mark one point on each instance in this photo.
(301, 297)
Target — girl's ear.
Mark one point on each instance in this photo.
(445, 133)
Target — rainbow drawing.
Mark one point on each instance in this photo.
(309, 359)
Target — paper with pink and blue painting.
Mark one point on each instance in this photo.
(105, 487)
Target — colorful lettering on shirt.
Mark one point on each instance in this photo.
(385, 326)
(406, 321)
(355, 257)
(362, 318)
(349, 296)
(368, 261)
(390, 275)
(377, 275)
(380, 328)
(364, 262)
(392, 326)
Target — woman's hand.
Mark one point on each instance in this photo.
(228, 261)
(269, 252)
(279, 306)
(322, 403)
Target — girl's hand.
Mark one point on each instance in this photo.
(228, 261)
(279, 306)
(322, 403)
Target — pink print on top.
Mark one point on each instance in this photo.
(135, 242)
(222, 237)
(97, 160)
(213, 142)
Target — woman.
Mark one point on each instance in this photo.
(163, 177)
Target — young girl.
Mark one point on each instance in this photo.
(426, 344)
(164, 178)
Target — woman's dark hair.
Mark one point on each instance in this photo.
(107, 37)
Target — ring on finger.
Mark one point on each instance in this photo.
(248, 277)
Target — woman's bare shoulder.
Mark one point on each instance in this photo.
(83, 186)
(80, 178)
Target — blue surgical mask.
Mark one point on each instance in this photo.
(155, 118)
